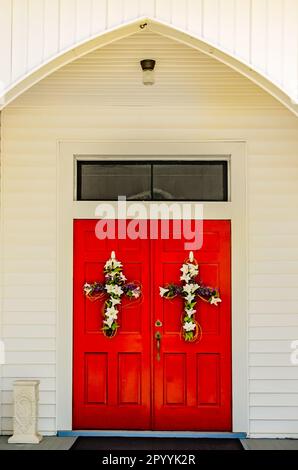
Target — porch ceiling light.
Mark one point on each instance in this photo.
(148, 71)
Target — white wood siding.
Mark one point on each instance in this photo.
(261, 33)
(198, 99)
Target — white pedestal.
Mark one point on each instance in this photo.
(26, 397)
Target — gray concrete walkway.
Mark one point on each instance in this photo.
(270, 444)
(48, 443)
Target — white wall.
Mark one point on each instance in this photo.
(208, 102)
(261, 33)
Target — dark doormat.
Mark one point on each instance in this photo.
(144, 443)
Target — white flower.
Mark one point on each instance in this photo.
(163, 291)
(184, 269)
(109, 322)
(122, 277)
(114, 301)
(187, 288)
(189, 298)
(114, 289)
(190, 288)
(136, 293)
(189, 271)
(87, 288)
(185, 277)
(110, 288)
(118, 290)
(189, 312)
(193, 270)
(215, 300)
(113, 264)
(111, 312)
(189, 326)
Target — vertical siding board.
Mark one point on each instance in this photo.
(242, 29)
(131, 10)
(35, 33)
(194, 17)
(68, 10)
(290, 49)
(164, 10)
(227, 24)
(19, 39)
(259, 35)
(179, 13)
(5, 42)
(83, 19)
(147, 8)
(275, 40)
(211, 20)
(99, 16)
(115, 12)
(51, 28)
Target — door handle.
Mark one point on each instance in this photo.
(158, 339)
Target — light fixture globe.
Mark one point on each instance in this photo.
(148, 71)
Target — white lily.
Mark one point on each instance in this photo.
(109, 322)
(193, 270)
(185, 277)
(215, 300)
(114, 301)
(163, 291)
(111, 312)
(113, 264)
(187, 288)
(111, 289)
(189, 312)
(189, 326)
(184, 269)
(87, 288)
(122, 277)
(190, 288)
(189, 298)
(118, 290)
(136, 293)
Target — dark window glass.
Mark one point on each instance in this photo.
(107, 181)
(178, 181)
(200, 181)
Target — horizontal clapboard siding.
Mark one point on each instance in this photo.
(260, 33)
(61, 108)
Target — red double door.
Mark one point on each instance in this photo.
(119, 383)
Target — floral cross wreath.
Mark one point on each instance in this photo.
(190, 291)
(115, 287)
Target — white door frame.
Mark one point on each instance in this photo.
(234, 210)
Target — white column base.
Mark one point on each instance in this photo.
(23, 439)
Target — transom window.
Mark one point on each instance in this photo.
(204, 180)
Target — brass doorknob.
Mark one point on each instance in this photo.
(158, 337)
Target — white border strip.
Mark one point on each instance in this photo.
(234, 210)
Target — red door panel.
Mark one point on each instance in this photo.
(192, 381)
(111, 376)
(118, 382)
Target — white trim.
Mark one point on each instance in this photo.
(235, 210)
(130, 27)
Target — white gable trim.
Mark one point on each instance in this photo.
(81, 48)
